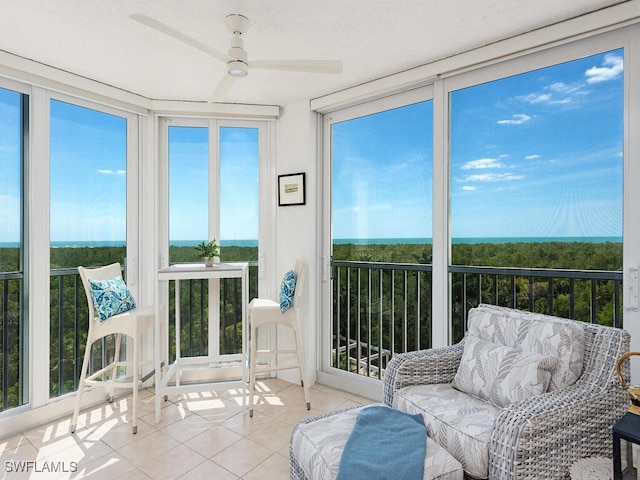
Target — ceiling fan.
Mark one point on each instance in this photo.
(236, 58)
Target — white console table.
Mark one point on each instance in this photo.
(167, 377)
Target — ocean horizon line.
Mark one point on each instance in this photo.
(476, 240)
(345, 241)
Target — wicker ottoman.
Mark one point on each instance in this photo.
(317, 443)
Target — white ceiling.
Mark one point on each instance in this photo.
(374, 38)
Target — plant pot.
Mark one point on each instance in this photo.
(209, 261)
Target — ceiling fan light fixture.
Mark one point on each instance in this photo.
(237, 68)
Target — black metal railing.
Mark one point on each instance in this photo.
(13, 346)
(593, 296)
(380, 309)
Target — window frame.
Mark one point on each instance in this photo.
(327, 373)
(23, 270)
(131, 262)
(525, 60)
(623, 38)
(266, 196)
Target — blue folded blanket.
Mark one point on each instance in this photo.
(385, 444)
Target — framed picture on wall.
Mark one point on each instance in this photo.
(291, 189)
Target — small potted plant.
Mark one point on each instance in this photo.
(208, 251)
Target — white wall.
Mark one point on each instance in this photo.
(297, 235)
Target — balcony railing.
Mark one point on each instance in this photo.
(380, 309)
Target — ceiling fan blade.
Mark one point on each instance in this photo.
(309, 66)
(172, 32)
(220, 93)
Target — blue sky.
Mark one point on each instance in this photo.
(188, 190)
(89, 170)
(9, 166)
(88, 165)
(534, 155)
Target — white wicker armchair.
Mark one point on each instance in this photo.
(540, 436)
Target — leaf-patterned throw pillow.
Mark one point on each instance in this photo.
(502, 375)
(287, 289)
(534, 332)
(111, 297)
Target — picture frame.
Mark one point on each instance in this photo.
(291, 189)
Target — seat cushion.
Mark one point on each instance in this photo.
(460, 423)
(534, 332)
(317, 448)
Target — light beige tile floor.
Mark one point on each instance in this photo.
(201, 436)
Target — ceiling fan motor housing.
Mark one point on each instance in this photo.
(237, 51)
(237, 24)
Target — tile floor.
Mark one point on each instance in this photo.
(201, 436)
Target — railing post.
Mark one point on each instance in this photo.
(5, 344)
(60, 335)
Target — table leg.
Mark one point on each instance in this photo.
(617, 461)
(178, 328)
(245, 335)
(157, 355)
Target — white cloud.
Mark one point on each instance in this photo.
(517, 119)
(534, 98)
(557, 93)
(482, 163)
(468, 188)
(493, 177)
(112, 172)
(532, 157)
(612, 68)
(561, 87)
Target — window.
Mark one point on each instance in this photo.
(381, 208)
(189, 225)
(239, 203)
(537, 182)
(213, 171)
(188, 191)
(13, 309)
(88, 219)
(527, 179)
(239, 211)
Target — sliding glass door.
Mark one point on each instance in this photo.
(381, 232)
(88, 226)
(14, 121)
